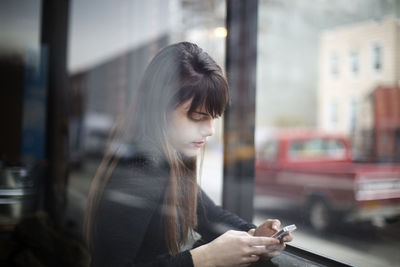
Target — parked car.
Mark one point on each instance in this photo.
(96, 129)
(315, 172)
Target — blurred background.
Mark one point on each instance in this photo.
(327, 113)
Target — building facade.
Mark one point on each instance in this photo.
(353, 61)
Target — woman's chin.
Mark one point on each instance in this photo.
(191, 153)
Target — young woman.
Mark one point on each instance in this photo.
(147, 215)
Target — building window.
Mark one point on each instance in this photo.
(353, 105)
(377, 52)
(334, 60)
(354, 63)
(333, 114)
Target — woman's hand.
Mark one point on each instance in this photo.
(234, 248)
(268, 228)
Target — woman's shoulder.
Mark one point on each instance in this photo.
(146, 154)
(143, 171)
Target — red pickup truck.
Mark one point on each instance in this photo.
(316, 172)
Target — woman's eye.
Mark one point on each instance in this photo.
(196, 118)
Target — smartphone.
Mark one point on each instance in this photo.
(284, 231)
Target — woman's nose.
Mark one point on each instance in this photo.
(208, 128)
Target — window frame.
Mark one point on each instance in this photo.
(375, 45)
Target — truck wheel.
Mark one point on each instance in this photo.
(319, 215)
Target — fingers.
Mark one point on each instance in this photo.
(287, 238)
(251, 231)
(273, 251)
(268, 228)
(262, 241)
(239, 248)
(257, 250)
(266, 252)
(272, 254)
(256, 246)
(275, 224)
(279, 247)
(250, 259)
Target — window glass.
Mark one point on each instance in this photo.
(334, 65)
(353, 107)
(337, 172)
(328, 149)
(106, 63)
(316, 149)
(377, 57)
(354, 63)
(269, 151)
(22, 111)
(333, 114)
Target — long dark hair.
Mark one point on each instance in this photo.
(178, 73)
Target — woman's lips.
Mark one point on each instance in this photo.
(198, 144)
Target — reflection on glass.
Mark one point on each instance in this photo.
(336, 138)
(22, 110)
(377, 58)
(316, 148)
(334, 65)
(354, 63)
(105, 68)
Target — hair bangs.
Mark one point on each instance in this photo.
(210, 93)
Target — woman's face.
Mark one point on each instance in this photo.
(188, 134)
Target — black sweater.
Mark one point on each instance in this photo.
(129, 229)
